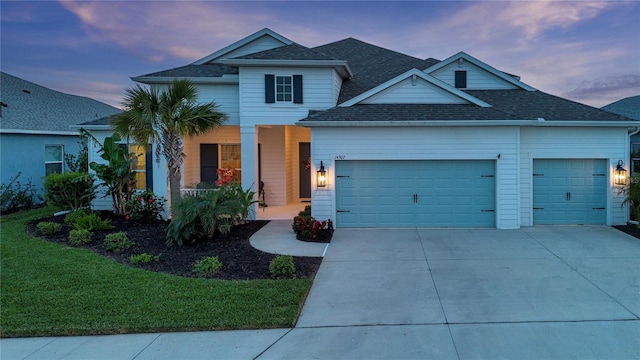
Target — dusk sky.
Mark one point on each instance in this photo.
(585, 51)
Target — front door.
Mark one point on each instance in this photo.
(304, 151)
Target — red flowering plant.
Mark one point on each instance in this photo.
(309, 229)
(145, 207)
(225, 176)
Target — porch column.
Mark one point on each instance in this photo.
(249, 154)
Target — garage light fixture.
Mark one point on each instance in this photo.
(321, 176)
(620, 174)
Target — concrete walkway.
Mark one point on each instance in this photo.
(534, 293)
(277, 237)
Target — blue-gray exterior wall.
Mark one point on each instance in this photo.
(24, 153)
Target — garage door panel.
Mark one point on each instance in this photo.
(569, 191)
(426, 193)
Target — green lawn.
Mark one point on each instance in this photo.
(47, 290)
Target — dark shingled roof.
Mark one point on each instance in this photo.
(629, 107)
(506, 105)
(408, 112)
(288, 52)
(371, 65)
(191, 70)
(33, 107)
(537, 104)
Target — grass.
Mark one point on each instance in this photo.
(52, 290)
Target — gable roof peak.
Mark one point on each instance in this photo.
(244, 41)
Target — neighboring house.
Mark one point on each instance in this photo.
(34, 128)
(405, 142)
(629, 107)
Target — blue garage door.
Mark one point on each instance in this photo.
(415, 193)
(569, 191)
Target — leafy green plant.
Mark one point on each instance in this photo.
(117, 174)
(309, 229)
(282, 267)
(78, 237)
(14, 195)
(48, 228)
(201, 215)
(143, 258)
(80, 162)
(207, 266)
(69, 190)
(72, 217)
(92, 222)
(632, 197)
(117, 242)
(145, 207)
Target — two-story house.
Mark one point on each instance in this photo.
(402, 141)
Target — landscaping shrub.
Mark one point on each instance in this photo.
(145, 207)
(48, 228)
(282, 267)
(14, 195)
(632, 197)
(69, 190)
(79, 237)
(203, 214)
(92, 222)
(117, 242)
(207, 266)
(72, 217)
(309, 229)
(143, 258)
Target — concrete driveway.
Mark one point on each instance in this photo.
(533, 293)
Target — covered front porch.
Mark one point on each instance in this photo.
(276, 156)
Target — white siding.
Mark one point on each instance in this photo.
(317, 95)
(572, 143)
(227, 98)
(414, 143)
(261, 44)
(477, 78)
(337, 85)
(406, 92)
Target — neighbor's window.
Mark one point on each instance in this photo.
(284, 89)
(230, 158)
(635, 157)
(139, 165)
(53, 155)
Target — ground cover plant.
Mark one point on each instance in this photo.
(50, 288)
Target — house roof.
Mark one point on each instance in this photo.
(191, 70)
(506, 105)
(28, 107)
(371, 65)
(629, 107)
(288, 52)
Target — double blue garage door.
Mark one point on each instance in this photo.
(409, 193)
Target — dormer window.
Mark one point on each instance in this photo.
(461, 79)
(283, 89)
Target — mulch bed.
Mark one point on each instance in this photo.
(240, 260)
(630, 229)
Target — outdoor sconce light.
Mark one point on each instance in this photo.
(620, 174)
(321, 176)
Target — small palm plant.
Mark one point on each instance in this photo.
(632, 197)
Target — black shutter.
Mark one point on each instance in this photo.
(149, 168)
(461, 79)
(269, 88)
(297, 89)
(208, 163)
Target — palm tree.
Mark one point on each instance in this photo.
(164, 119)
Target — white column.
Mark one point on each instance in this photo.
(249, 154)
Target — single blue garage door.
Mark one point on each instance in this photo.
(569, 191)
(415, 193)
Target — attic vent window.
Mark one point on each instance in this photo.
(461, 79)
(26, 91)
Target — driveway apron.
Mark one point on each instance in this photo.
(475, 293)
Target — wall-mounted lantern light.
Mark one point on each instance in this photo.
(620, 174)
(321, 176)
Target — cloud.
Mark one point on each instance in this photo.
(606, 89)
